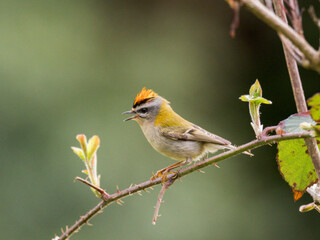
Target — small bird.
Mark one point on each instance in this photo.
(170, 134)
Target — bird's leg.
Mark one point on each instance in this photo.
(180, 164)
(204, 158)
(165, 171)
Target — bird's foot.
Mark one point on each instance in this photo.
(163, 173)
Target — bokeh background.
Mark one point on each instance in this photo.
(70, 67)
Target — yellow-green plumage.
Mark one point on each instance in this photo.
(166, 117)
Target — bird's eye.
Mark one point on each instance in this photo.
(143, 110)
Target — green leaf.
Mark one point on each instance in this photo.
(255, 95)
(262, 100)
(245, 98)
(314, 103)
(295, 166)
(255, 89)
(93, 145)
(292, 123)
(78, 152)
(317, 130)
(252, 99)
(83, 142)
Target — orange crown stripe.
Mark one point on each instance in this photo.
(144, 96)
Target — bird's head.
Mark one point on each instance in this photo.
(146, 107)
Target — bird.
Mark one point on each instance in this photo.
(170, 134)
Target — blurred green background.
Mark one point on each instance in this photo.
(70, 67)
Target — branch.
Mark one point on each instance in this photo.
(103, 194)
(183, 172)
(165, 186)
(297, 89)
(312, 57)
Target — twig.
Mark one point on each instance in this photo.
(183, 172)
(312, 57)
(268, 130)
(313, 16)
(160, 197)
(292, 65)
(236, 19)
(295, 16)
(104, 194)
(297, 89)
(269, 5)
(315, 19)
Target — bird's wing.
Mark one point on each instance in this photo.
(193, 133)
(199, 134)
(176, 133)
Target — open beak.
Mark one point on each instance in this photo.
(130, 112)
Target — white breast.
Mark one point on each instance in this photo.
(176, 149)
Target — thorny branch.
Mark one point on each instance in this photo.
(311, 57)
(108, 199)
(163, 189)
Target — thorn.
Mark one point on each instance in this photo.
(161, 202)
(62, 230)
(118, 191)
(139, 192)
(151, 188)
(214, 164)
(146, 190)
(200, 171)
(89, 224)
(119, 200)
(119, 203)
(130, 185)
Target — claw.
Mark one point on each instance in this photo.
(165, 171)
